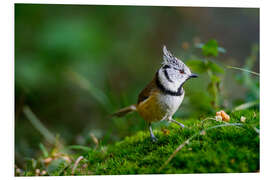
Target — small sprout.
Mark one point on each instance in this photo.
(243, 119)
(94, 138)
(224, 115)
(48, 160)
(43, 172)
(37, 172)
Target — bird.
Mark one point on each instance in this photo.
(162, 97)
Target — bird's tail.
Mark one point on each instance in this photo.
(125, 111)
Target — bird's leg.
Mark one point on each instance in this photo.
(176, 122)
(154, 139)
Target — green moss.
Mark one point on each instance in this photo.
(224, 149)
(219, 150)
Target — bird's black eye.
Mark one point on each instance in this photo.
(182, 71)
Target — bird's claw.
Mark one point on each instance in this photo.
(176, 122)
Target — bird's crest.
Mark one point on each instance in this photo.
(169, 59)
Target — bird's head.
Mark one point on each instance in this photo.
(173, 73)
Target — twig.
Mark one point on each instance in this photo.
(241, 69)
(213, 119)
(189, 139)
(208, 118)
(76, 164)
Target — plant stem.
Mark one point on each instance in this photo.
(214, 86)
(242, 69)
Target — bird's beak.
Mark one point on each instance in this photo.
(193, 76)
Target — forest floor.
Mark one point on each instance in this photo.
(204, 146)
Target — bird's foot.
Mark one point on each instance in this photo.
(154, 139)
(176, 122)
(180, 124)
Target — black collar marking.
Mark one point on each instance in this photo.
(179, 92)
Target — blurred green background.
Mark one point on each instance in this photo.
(76, 64)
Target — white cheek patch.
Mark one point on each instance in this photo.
(172, 86)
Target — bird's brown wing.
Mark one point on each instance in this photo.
(147, 91)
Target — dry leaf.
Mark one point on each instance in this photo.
(224, 115)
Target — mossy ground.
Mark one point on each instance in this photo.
(220, 150)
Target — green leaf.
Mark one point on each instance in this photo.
(197, 66)
(44, 150)
(200, 66)
(246, 105)
(215, 79)
(210, 48)
(79, 147)
(214, 67)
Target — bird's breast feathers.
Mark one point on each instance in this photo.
(159, 106)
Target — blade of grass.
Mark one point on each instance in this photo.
(79, 147)
(257, 130)
(246, 105)
(83, 83)
(44, 150)
(38, 125)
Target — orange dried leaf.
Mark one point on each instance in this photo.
(224, 115)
